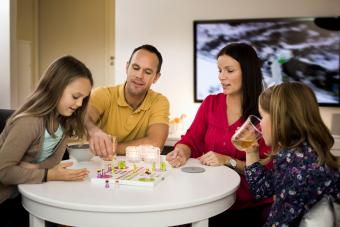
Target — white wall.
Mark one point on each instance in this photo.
(168, 24)
(5, 80)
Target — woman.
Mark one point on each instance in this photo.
(304, 168)
(209, 136)
(34, 139)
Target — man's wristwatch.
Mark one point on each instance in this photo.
(231, 163)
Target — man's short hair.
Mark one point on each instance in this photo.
(151, 49)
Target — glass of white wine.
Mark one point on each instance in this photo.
(248, 134)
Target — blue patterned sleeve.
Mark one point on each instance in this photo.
(293, 185)
(260, 180)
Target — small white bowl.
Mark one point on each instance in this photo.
(80, 152)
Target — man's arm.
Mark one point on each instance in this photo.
(156, 136)
(100, 142)
(91, 117)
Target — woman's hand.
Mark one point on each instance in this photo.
(213, 159)
(61, 173)
(177, 157)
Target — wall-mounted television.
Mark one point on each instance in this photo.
(290, 49)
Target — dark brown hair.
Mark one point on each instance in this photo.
(252, 80)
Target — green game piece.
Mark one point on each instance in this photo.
(153, 166)
(121, 164)
(144, 179)
(163, 166)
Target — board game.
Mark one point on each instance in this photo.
(137, 174)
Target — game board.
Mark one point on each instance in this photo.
(140, 174)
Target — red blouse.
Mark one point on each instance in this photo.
(210, 132)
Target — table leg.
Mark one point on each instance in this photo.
(36, 222)
(202, 223)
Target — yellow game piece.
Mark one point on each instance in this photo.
(163, 166)
(147, 171)
(153, 166)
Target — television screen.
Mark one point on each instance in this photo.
(290, 49)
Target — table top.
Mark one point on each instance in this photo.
(177, 191)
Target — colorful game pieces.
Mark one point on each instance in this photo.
(147, 171)
(99, 173)
(163, 166)
(121, 165)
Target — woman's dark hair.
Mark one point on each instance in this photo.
(252, 80)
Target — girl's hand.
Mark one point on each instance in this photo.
(254, 148)
(213, 159)
(61, 173)
(177, 157)
(252, 154)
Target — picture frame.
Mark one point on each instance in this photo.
(290, 49)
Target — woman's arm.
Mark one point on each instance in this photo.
(194, 137)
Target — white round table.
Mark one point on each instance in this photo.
(180, 198)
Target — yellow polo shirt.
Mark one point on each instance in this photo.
(119, 119)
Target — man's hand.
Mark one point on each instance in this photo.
(101, 144)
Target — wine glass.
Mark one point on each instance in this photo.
(248, 134)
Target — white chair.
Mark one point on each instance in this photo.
(325, 213)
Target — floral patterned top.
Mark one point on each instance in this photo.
(297, 182)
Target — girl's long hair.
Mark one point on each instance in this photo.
(296, 119)
(45, 98)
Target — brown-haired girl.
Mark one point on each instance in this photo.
(304, 169)
(34, 139)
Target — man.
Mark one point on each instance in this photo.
(132, 112)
